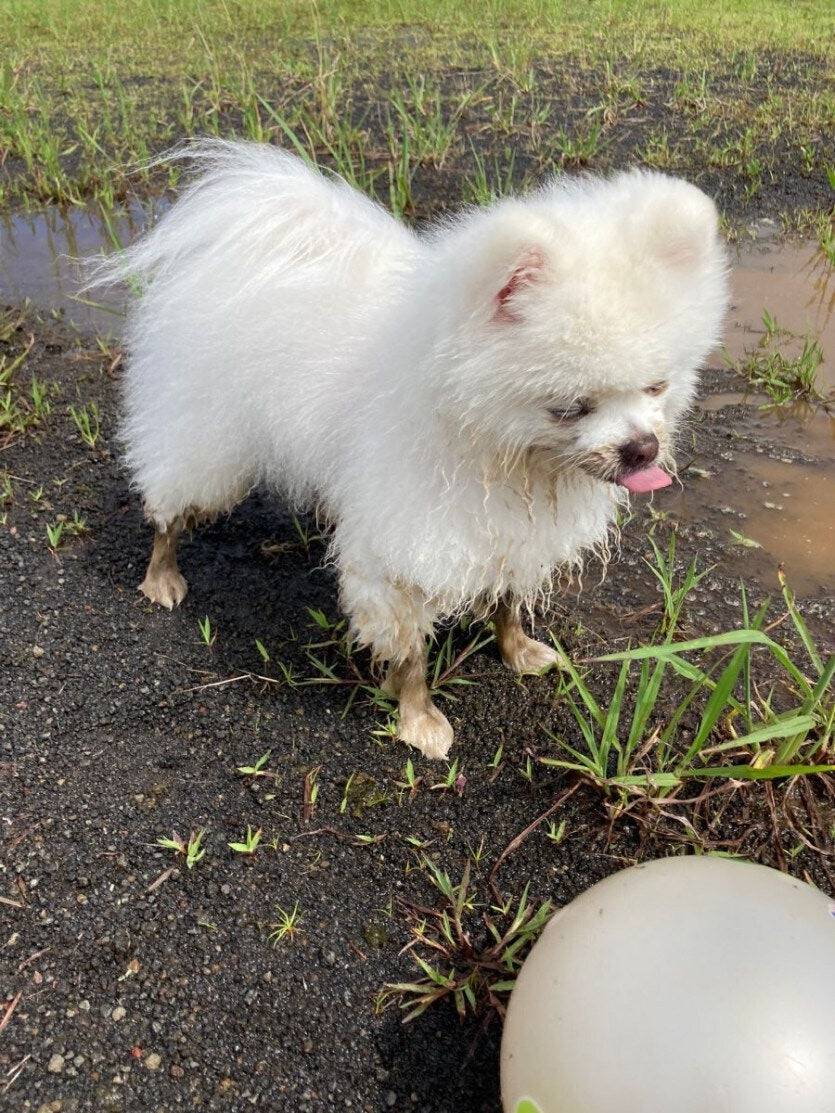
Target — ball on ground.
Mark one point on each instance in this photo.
(686, 985)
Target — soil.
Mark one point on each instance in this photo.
(134, 988)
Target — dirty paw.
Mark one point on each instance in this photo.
(165, 586)
(427, 730)
(531, 656)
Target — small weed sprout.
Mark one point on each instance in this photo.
(526, 771)
(192, 849)
(88, 423)
(346, 795)
(249, 844)
(311, 792)
(411, 780)
(454, 780)
(262, 651)
(287, 926)
(207, 633)
(257, 768)
(556, 832)
(55, 534)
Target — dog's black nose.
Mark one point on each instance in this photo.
(640, 452)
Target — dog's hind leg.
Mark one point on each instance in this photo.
(519, 652)
(163, 582)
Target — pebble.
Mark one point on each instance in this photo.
(119, 1013)
(391, 1099)
(153, 1061)
(55, 1064)
(37, 651)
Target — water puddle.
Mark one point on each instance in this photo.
(39, 253)
(770, 474)
(765, 512)
(767, 489)
(795, 284)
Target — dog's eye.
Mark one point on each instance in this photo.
(657, 388)
(571, 413)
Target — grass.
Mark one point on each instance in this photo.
(395, 95)
(24, 404)
(675, 706)
(87, 421)
(191, 849)
(776, 367)
(466, 952)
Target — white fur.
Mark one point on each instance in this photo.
(291, 332)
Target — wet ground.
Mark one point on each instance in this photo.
(131, 987)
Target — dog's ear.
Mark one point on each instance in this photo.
(527, 269)
(681, 227)
(502, 258)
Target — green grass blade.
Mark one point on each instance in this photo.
(717, 703)
(567, 665)
(610, 727)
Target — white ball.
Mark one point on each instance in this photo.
(687, 985)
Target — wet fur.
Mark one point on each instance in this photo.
(292, 333)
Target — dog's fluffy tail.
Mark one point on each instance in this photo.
(262, 206)
(254, 290)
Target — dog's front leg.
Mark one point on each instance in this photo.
(519, 652)
(420, 723)
(394, 620)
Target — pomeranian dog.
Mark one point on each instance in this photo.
(467, 407)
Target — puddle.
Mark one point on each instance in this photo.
(782, 512)
(794, 284)
(772, 474)
(38, 253)
(776, 484)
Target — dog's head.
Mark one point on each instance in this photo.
(576, 320)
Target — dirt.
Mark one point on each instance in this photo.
(143, 989)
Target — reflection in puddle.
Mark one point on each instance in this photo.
(38, 253)
(786, 505)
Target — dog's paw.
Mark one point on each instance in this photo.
(428, 730)
(531, 656)
(164, 586)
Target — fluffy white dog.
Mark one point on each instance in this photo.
(466, 407)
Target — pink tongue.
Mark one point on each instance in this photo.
(649, 479)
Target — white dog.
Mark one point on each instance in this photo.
(467, 407)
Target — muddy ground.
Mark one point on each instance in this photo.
(130, 987)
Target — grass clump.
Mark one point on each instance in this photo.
(776, 367)
(466, 952)
(677, 705)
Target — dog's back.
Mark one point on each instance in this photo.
(256, 288)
